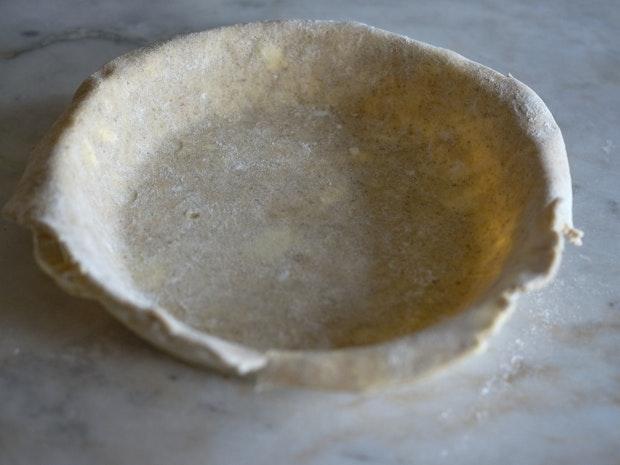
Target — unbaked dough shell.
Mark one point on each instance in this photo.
(58, 196)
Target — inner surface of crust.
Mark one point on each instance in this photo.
(307, 191)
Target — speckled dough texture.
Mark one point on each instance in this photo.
(314, 203)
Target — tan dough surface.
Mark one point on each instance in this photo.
(318, 203)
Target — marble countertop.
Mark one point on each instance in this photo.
(76, 387)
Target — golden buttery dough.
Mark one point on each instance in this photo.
(315, 203)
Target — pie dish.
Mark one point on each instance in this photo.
(308, 202)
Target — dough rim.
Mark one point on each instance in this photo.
(344, 368)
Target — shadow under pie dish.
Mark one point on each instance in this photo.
(310, 202)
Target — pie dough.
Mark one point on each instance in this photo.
(311, 202)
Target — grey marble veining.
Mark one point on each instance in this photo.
(76, 387)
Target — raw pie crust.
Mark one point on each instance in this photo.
(317, 203)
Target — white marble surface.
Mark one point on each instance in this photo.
(76, 387)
